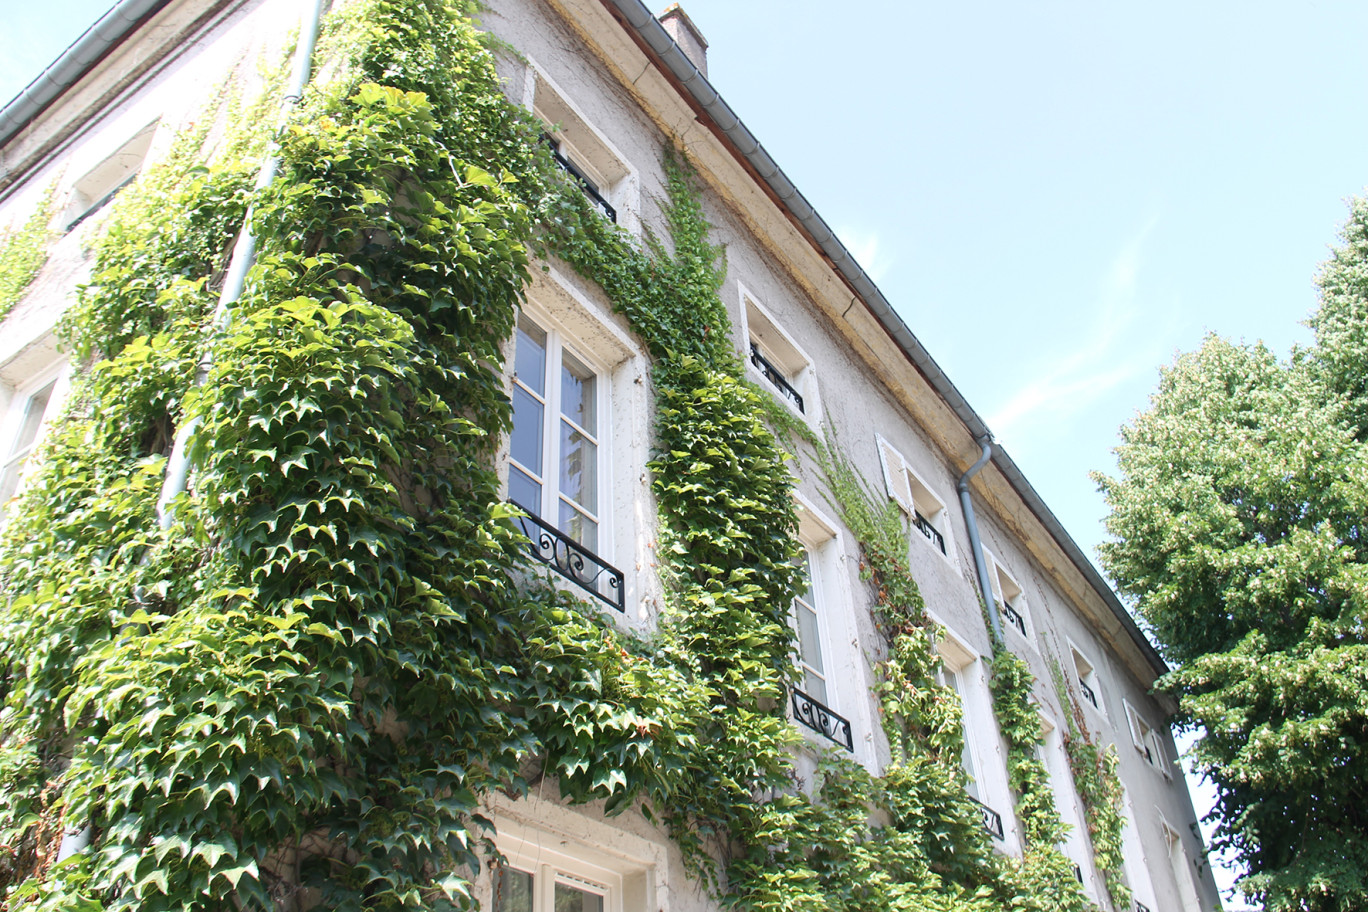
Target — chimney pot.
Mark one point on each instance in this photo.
(685, 34)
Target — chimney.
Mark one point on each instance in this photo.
(685, 34)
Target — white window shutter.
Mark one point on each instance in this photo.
(1137, 735)
(895, 475)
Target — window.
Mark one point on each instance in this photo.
(926, 511)
(814, 705)
(1178, 863)
(774, 360)
(556, 472)
(1147, 741)
(1086, 675)
(99, 185)
(31, 407)
(549, 875)
(982, 759)
(582, 152)
(1010, 599)
(1075, 846)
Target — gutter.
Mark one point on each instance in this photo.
(75, 62)
(662, 48)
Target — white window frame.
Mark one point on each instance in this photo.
(588, 149)
(1146, 740)
(907, 488)
(24, 379)
(1007, 591)
(554, 302)
(96, 187)
(1134, 860)
(1179, 865)
(1085, 673)
(847, 689)
(963, 670)
(1056, 760)
(761, 332)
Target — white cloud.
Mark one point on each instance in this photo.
(1113, 350)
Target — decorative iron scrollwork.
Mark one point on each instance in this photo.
(775, 376)
(822, 720)
(992, 820)
(1088, 692)
(1013, 618)
(931, 532)
(572, 560)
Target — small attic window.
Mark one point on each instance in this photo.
(772, 356)
(99, 185)
(581, 151)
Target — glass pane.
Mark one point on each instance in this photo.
(513, 891)
(524, 491)
(573, 899)
(809, 640)
(579, 468)
(33, 418)
(529, 356)
(578, 526)
(526, 444)
(578, 390)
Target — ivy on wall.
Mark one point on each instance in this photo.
(23, 251)
(297, 695)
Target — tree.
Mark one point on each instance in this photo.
(1238, 517)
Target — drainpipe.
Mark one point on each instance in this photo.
(975, 545)
(244, 253)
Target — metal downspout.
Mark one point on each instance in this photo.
(244, 253)
(975, 545)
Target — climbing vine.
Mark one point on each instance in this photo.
(23, 251)
(298, 694)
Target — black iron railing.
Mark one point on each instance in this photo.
(1078, 873)
(601, 204)
(1141, 907)
(1088, 692)
(992, 820)
(1013, 618)
(101, 203)
(822, 720)
(572, 560)
(775, 376)
(931, 532)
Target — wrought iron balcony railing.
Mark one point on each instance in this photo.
(572, 560)
(775, 376)
(1078, 872)
(1141, 907)
(931, 532)
(822, 720)
(602, 205)
(1088, 692)
(992, 820)
(1013, 618)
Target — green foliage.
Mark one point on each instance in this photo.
(297, 695)
(1238, 516)
(23, 251)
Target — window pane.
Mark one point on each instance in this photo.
(33, 419)
(526, 444)
(529, 356)
(809, 637)
(578, 526)
(573, 899)
(513, 891)
(579, 468)
(809, 640)
(524, 491)
(578, 389)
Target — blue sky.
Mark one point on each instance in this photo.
(1057, 196)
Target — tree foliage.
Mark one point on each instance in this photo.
(1238, 515)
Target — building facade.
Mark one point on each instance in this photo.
(612, 86)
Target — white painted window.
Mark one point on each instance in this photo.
(774, 360)
(1010, 598)
(1146, 740)
(1075, 846)
(98, 186)
(1085, 674)
(807, 619)
(1178, 864)
(585, 154)
(1135, 862)
(32, 404)
(558, 406)
(538, 877)
(915, 498)
(983, 759)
